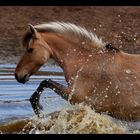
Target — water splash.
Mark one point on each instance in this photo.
(76, 119)
(74, 85)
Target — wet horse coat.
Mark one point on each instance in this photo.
(97, 74)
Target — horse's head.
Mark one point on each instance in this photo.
(36, 54)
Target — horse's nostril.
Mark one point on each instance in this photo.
(22, 79)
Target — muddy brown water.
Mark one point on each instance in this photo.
(17, 116)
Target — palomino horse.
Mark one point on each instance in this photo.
(96, 73)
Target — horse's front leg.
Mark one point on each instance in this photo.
(58, 88)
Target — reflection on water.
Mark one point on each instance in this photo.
(17, 116)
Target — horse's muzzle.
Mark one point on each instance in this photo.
(21, 79)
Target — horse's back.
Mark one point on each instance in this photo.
(117, 87)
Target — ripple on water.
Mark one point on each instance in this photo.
(14, 97)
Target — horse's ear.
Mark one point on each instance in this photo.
(33, 30)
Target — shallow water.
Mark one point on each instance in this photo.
(17, 115)
(14, 97)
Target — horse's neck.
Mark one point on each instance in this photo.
(62, 48)
(67, 53)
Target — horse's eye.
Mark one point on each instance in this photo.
(30, 50)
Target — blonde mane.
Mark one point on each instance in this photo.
(72, 30)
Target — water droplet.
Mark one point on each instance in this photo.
(117, 86)
(128, 71)
(100, 52)
(83, 43)
(106, 96)
(119, 15)
(100, 25)
(106, 88)
(118, 92)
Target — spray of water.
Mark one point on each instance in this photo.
(77, 119)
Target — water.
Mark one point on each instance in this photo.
(17, 115)
(14, 97)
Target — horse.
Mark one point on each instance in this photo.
(98, 74)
